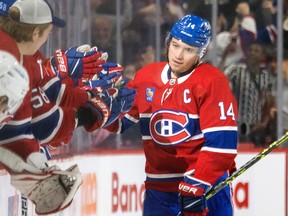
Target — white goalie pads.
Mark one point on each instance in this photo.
(49, 188)
(50, 192)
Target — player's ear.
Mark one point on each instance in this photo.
(35, 34)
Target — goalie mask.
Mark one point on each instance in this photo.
(14, 84)
(193, 31)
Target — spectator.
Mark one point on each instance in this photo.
(229, 49)
(245, 26)
(265, 17)
(108, 8)
(131, 41)
(103, 35)
(104, 25)
(95, 4)
(285, 90)
(232, 44)
(130, 71)
(251, 82)
(147, 16)
(266, 131)
(145, 55)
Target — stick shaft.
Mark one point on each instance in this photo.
(246, 166)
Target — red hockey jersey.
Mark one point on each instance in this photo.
(47, 112)
(186, 123)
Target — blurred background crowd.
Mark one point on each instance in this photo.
(249, 45)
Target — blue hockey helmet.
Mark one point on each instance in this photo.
(193, 31)
(4, 6)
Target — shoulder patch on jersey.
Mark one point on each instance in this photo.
(169, 127)
(150, 94)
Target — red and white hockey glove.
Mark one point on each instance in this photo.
(192, 198)
(50, 191)
(107, 105)
(82, 62)
(98, 108)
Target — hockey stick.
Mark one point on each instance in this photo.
(246, 166)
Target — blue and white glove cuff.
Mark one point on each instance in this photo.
(188, 178)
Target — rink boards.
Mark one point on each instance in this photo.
(113, 185)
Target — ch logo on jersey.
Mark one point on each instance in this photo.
(169, 127)
(150, 94)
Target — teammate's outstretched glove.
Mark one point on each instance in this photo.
(106, 105)
(81, 62)
(192, 198)
(110, 76)
(96, 112)
(109, 68)
(107, 81)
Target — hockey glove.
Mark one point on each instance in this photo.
(113, 102)
(107, 81)
(52, 191)
(126, 97)
(109, 68)
(81, 62)
(120, 104)
(110, 76)
(192, 198)
(100, 106)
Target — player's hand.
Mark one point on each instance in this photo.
(126, 98)
(108, 81)
(82, 62)
(112, 102)
(192, 198)
(109, 68)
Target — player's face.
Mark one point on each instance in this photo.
(181, 56)
(40, 39)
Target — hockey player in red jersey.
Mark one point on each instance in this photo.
(71, 66)
(50, 111)
(187, 116)
(57, 103)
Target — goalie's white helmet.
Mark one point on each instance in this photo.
(14, 84)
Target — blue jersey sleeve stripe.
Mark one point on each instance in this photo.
(221, 139)
(10, 131)
(49, 123)
(126, 123)
(52, 89)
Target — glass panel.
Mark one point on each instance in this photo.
(143, 26)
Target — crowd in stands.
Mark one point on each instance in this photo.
(246, 42)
